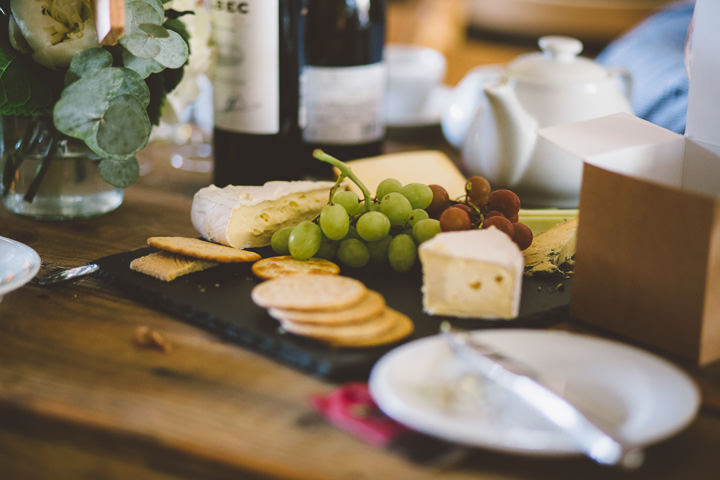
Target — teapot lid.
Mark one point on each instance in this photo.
(557, 63)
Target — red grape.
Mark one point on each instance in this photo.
(454, 218)
(505, 201)
(440, 201)
(501, 223)
(478, 190)
(522, 235)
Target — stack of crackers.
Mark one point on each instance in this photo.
(308, 298)
(183, 255)
(339, 310)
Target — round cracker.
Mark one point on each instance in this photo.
(306, 291)
(402, 327)
(371, 304)
(196, 248)
(283, 265)
(355, 332)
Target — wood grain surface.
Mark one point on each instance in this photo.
(80, 399)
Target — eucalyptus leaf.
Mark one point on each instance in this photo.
(177, 25)
(78, 114)
(174, 51)
(119, 173)
(142, 45)
(125, 127)
(155, 31)
(138, 12)
(88, 61)
(111, 82)
(142, 66)
(157, 5)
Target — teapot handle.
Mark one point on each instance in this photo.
(624, 77)
(465, 101)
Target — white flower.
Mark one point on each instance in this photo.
(55, 30)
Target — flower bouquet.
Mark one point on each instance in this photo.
(104, 93)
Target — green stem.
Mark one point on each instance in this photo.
(40, 171)
(16, 155)
(345, 171)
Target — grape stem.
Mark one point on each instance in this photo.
(345, 172)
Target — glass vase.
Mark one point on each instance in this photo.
(49, 176)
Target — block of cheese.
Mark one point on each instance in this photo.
(425, 166)
(553, 250)
(247, 216)
(472, 274)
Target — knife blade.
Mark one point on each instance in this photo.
(595, 441)
(65, 274)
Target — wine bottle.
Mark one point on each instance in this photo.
(343, 77)
(256, 136)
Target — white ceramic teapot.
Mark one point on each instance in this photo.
(495, 113)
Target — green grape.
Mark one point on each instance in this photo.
(402, 252)
(353, 253)
(388, 185)
(334, 221)
(426, 229)
(378, 249)
(304, 241)
(396, 207)
(372, 226)
(327, 249)
(279, 241)
(416, 215)
(349, 200)
(419, 194)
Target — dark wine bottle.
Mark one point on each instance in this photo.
(256, 91)
(343, 79)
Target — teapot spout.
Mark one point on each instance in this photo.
(516, 132)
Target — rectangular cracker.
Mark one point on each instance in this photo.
(196, 248)
(167, 267)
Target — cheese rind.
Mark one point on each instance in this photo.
(247, 216)
(472, 274)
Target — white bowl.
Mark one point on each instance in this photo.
(18, 265)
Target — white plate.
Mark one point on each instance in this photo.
(429, 116)
(644, 398)
(18, 265)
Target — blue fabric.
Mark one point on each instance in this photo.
(653, 52)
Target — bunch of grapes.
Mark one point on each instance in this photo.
(481, 207)
(358, 231)
(389, 227)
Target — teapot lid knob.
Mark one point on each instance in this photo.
(560, 48)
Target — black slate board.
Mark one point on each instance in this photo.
(219, 300)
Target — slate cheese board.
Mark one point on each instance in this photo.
(218, 300)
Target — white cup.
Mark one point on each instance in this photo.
(414, 72)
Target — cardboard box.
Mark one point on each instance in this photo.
(648, 249)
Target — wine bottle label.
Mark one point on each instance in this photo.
(246, 79)
(342, 105)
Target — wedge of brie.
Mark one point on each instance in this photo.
(472, 273)
(247, 216)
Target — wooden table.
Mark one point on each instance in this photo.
(79, 398)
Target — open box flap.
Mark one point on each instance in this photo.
(597, 136)
(703, 115)
(625, 144)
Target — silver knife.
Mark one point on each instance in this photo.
(595, 441)
(65, 274)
